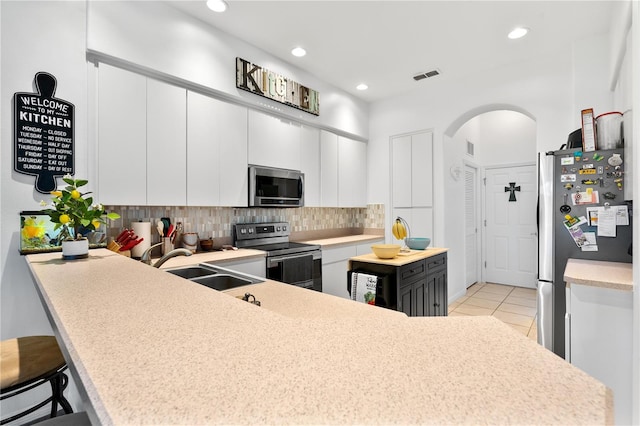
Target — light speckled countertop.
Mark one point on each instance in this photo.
(247, 254)
(347, 239)
(214, 256)
(595, 273)
(148, 347)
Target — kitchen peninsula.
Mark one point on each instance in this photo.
(148, 347)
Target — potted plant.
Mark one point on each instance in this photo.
(74, 212)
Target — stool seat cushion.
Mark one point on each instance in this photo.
(27, 358)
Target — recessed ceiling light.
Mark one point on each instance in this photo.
(217, 5)
(298, 51)
(518, 32)
(362, 86)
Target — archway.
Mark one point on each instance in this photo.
(487, 136)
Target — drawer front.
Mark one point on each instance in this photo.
(436, 262)
(366, 247)
(337, 254)
(412, 270)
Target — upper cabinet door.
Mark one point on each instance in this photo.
(232, 134)
(412, 170)
(166, 144)
(310, 164)
(422, 169)
(203, 151)
(328, 169)
(352, 173)
(122, 137)
(273, 142)
(216, 152)
(401, 171)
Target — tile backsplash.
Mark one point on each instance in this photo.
(216, 222)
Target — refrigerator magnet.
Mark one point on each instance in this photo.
(588, 130)
(566, 161)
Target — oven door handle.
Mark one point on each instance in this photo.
(273, 261)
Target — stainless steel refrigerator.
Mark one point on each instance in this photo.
(576, 186)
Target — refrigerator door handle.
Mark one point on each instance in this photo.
(545, 314)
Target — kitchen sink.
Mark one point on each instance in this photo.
(214, 277)
(222, 282)
(190, 272)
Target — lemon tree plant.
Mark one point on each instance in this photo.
(73, 210)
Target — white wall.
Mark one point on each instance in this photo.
(164, 39)
(505, 137)
(57, 47)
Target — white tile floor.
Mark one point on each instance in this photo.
(515, 306)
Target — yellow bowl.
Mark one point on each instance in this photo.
(386, 251)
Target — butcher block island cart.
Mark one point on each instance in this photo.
(414, 283)
(147, 347)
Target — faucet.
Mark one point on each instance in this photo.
(172, 253)
(146, 256)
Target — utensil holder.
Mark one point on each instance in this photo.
(167, 245)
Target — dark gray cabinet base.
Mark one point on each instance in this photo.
(417, 289)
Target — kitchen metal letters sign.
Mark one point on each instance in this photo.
(260, 81)
(43, 134)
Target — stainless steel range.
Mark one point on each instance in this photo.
(288, 262)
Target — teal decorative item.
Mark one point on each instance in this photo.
(417, 243)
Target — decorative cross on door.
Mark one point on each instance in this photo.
(512, 188)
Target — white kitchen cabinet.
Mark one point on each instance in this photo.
(422, 170)
(273, 141)
(216, 152)
(256, 267)
(335, 264)
(352, 173)
(401, 171)
(310, 164)
(412, 181)
(122, 137)
(166, 144)
(412, 170)
(600, 338)
(328, 169)
(420, 220)
(141, 140)
(343, 164)
(365, 248)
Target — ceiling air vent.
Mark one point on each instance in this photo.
(427, 74)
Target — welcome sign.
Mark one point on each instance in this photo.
(260, 81)
(43, 133)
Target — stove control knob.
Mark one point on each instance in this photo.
(243, 231)
(284, 227)
(251, 230)
(278, 228)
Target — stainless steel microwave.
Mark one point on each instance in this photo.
(272, 187)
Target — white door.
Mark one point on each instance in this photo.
(510, 226)
(471, 226)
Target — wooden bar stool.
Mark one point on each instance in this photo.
(28, 362)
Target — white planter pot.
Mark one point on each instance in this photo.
(76, 249)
